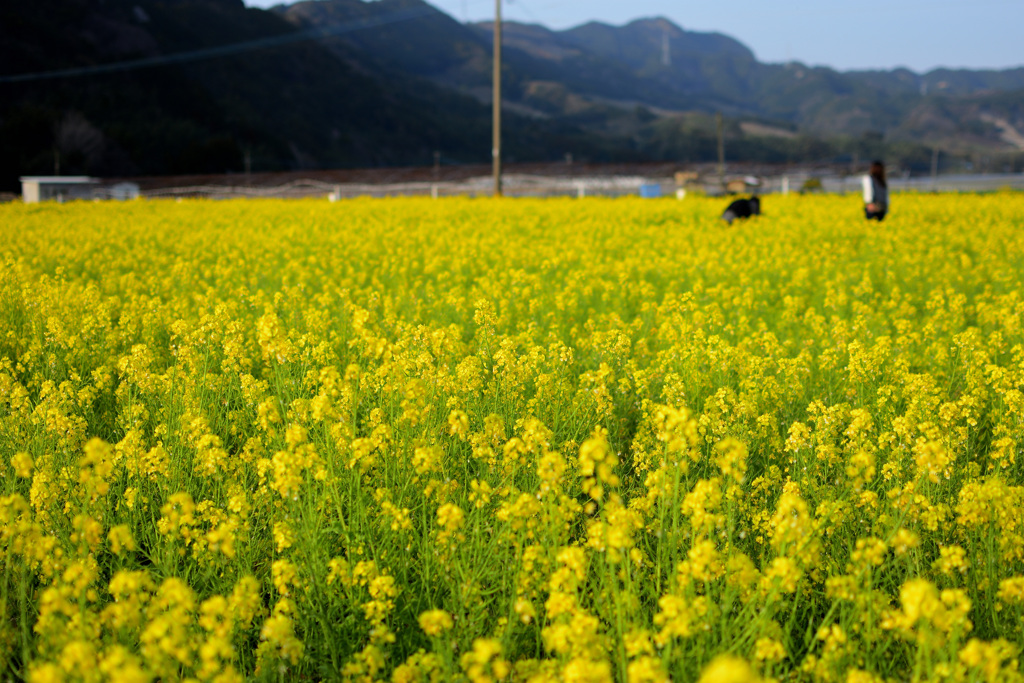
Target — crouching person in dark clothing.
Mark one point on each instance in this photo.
(742, 208)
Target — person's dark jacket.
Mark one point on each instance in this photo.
(742, 208)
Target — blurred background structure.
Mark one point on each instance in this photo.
(653, 180)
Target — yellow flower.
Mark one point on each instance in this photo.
(458, 423)
(596, 465)
(278, 633)
(556, 407)
(450, 518)
(783, 574)
(22, 464)
(284, 536)
(646, 670)
(1011, 590)
(46, 672)
(484, 663)
(732, 459)
(728, 669)
(286, 576)
(932, 461)
(435, 622)
(120, 539)
(769, 650)
(869, 552)
(905, 541)
(952, 558)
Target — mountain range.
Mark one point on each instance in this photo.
(343, 83)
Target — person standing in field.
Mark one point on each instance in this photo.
(876, 192)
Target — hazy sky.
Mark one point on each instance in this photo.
(847, 34)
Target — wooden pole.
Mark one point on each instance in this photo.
(496, 103)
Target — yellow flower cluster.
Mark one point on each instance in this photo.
(541, 440)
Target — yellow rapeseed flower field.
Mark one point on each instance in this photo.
(533, 440)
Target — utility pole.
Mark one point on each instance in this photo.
(935, 165)
(496, 103)
(721, 150)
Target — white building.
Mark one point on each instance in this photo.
(60, 188)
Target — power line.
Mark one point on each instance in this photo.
(224, 50)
